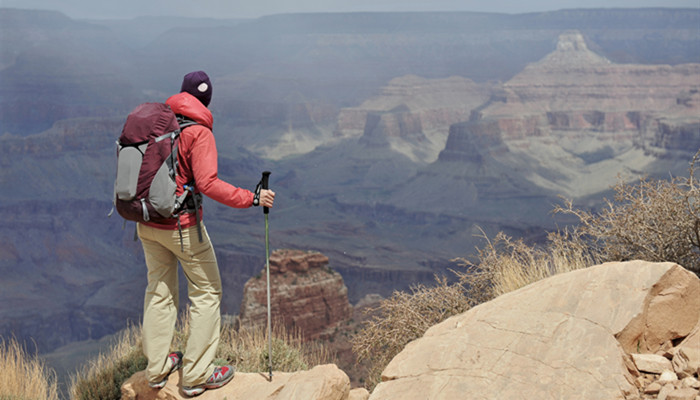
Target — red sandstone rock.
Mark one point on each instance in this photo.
(282, 261)
(305, 295)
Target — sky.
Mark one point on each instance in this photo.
(97, 9)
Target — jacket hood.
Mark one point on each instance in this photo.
(188, 105)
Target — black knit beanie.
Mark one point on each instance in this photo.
(197, 84)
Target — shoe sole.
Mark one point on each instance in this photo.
(192, 392)
(159, 385)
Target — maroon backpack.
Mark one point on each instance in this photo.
(144, 190)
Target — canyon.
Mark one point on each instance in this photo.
(394, 140)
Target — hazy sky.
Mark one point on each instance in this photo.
(255, 8)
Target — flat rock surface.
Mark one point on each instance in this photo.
(554, 339)
(324, 382)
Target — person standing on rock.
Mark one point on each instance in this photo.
(187, 242)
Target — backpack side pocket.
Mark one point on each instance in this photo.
(129, 163)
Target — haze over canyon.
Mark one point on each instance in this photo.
(393, 140)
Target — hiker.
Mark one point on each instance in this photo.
(166, 243)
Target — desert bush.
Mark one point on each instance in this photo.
(247, 349)
(402, 318)
(653, 220)
(23, 376)
(102, 377)
(506, 264)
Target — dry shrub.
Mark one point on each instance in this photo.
(402, 318)
(505, 264)
(23, 376)
(653, 220)
(247, 349)
(102, 377)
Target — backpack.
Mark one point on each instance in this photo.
(144, 189)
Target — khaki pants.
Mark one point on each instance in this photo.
(162, 252)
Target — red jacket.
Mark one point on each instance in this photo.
(197, 160)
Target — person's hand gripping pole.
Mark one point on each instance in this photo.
(263, 195)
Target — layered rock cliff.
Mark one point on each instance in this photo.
(574, 90)
(574, 121)
(412, 115)
(305, 294)
(575, 78)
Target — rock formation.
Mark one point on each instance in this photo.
(324, 382)
(412, 115)
(613, 331)
(573, 78)
(305, 294)
(574, 122)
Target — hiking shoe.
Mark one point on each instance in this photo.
(175, 359)
(220, 377)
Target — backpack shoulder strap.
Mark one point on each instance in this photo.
(184, 122)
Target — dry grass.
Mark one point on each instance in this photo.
(402, 318)
(505, 264)
(24, 377)
(102, 377)
(247, 350)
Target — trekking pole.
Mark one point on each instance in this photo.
(266, 211)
